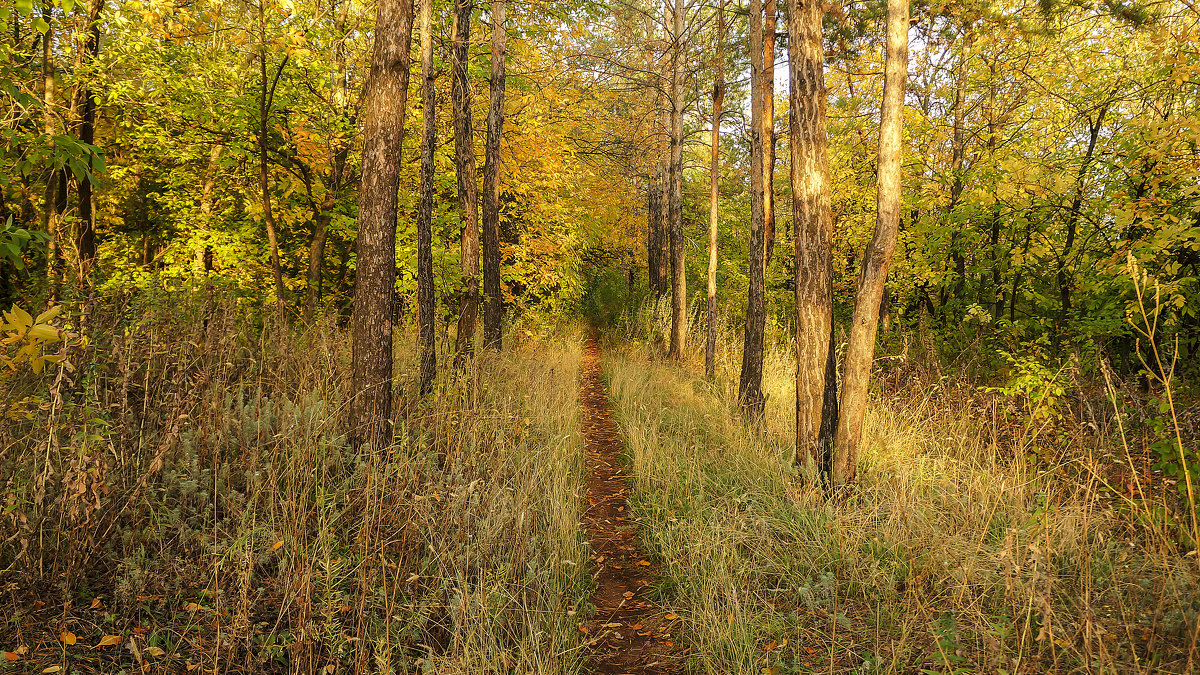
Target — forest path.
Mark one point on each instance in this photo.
(629, 634)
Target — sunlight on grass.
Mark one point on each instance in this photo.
(950, 554)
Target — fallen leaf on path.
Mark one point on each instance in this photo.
(52, 669)
(644, 563)
(612, 625)
(96, 604)
(277, 545)
(67, 637)
(11, 656)
(155, 651)
(670, 617)
(628, 595)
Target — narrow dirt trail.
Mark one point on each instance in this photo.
(629, 634)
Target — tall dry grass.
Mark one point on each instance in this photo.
(189, 490)
(956, 551)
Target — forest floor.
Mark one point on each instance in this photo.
(629, 633)
(191, 505)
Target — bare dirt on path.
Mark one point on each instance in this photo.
(629, 634)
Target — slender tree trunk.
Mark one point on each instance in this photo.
(710, 342)
(813, 220)
(655, 239)
(384, 99)
(468, 191)
(1063, 274)
(860, 350)
(678, 278)
(203, 252)
(55, 189)
(750, 383)
(316, 254)
(425, 297)
(333, 187)
(264, 107)
(493, 310)
(767, 89)
(85, 104)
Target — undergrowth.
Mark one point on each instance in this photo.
(958, 550)
(185, 498)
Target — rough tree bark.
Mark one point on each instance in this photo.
(860, 348)
(813, 223)
(655, 236)
(493, 309)
(675, 201)
(468, 191)
(384, 99)
(710, 342)
(54, 199)
(750, 394)
(425, 297)
(203, 263)
(767, 134)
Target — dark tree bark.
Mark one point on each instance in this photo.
(85, 103)
(203, 253)
(750, 394)
(813, 220)
(718, 99)
(1063, 273)
(425, 297)
(656, 239)
(384, 99)
(675, 201)
(860, 349)
(493, 309)
(468, 191)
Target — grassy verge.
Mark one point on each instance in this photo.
(955, 552)
(188, 494)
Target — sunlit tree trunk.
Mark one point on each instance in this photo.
(860, 348)
(425, 296)
(678, 278)
(384, 99)
(813, 223)
(767, 133)
(55, 196)
(468, 191)
(493, 310)
(710, 342)
(750, 382)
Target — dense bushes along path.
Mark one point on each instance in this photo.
(628, 633)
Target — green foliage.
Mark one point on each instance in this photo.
(14, 241)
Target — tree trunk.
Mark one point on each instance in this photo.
(425, 297)
(710, 342)
(265, 99)
(55, 194)
(203, 252)
(767, 89)
(860, 349)
(85, 238)
(1063, 274)
(813, 220)
(675, 201)
(656, 275)
(316, 254)
(493, 309)
(468, 192)
(384, 99)
(333, 187)
(750, 383)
